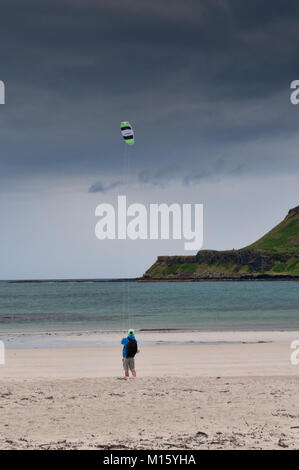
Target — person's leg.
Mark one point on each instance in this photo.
(126, 367)
(132, 366)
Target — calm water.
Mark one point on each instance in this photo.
(115, 305)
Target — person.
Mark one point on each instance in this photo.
(129, 350)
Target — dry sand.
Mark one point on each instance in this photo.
(221, 396)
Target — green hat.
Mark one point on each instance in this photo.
(131, 333)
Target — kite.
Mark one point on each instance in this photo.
(127, 132)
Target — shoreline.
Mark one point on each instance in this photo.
(189, 354)
(146, 337)
(207, 360)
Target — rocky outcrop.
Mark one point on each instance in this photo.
(256, 260)
(294, 211)
(274, 256)
(221, 265)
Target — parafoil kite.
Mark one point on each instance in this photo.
(127, 132)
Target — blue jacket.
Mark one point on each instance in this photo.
(125, 341)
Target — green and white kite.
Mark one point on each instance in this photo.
(127, 132)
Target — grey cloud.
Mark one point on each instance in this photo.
(101, 188)
(219, 171)
(195, 78)
(159, 176)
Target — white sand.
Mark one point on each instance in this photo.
(238, 395)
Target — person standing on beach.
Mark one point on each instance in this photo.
(129, 350)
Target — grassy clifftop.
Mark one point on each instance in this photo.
(274, 256)
(284, 238)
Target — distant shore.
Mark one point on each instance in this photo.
(162, 279)
(40, 281)
(253, 278)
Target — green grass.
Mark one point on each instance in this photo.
(284, 238)
(290, 267)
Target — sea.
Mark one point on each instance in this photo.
(112, 306)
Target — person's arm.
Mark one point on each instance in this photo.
(123, 341)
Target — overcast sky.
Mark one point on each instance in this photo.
(206, 85)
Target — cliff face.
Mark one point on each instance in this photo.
(274, 256)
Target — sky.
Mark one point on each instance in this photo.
(204, 83)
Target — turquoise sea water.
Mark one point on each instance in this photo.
(117, 305)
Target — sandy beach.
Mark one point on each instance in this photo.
(236, 394)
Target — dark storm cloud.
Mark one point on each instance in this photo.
(195, 78)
